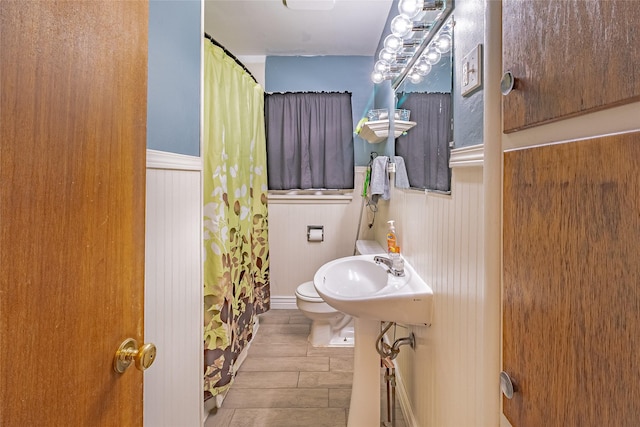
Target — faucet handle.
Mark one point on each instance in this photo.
(397, 263)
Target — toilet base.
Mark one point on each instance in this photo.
(329, 327)
(322, 336)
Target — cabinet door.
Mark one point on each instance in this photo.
(569, 57)
(571, 302)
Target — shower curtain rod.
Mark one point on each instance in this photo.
(215, 42)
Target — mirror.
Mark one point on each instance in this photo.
(436, 66)
(417, 61)
(416, 17)
(426, 91)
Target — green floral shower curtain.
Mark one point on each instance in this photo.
(236, 264)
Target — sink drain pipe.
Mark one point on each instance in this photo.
(390, 380)
(387, 354)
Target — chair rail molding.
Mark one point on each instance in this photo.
(166, 160)
(472, 156)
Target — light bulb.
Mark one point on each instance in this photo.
(393, 43)
(443, 44)
(414, 77)
(432, 56)
(377, 77)
(401, 26)
(387, 56)
(410, 8)
(422, 67)
(381, 66)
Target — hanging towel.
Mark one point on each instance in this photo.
(379, 185)
(402, 180)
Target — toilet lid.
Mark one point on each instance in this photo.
(308, 291)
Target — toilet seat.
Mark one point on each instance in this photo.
(307, 292)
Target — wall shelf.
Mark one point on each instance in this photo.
(376, 131)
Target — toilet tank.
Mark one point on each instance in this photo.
(368, 247)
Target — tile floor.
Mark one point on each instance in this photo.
(285, 382)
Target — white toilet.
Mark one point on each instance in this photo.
(330, 327)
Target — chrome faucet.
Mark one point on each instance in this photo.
(395, 267)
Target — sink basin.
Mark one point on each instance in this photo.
(357, 286)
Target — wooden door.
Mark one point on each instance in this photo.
(571, 301)
(72, 181)
(570, 57)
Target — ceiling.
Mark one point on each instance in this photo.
(269, 27)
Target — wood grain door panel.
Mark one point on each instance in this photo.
(72, 183)
(570, 56)
(571, 303)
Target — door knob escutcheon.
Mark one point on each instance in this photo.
(129, 352)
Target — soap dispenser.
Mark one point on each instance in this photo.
(393, 250)
(392, 241)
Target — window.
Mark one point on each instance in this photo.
(309, 141)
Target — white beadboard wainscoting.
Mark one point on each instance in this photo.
(294, 260)
(443, 381)
(173, 290)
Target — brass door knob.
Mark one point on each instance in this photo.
(129, 352)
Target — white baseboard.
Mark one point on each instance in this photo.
(283, 303)
(403, 399)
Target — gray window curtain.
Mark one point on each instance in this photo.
(425, 147)
(309, 140)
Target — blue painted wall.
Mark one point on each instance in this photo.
(468, 111)
(329, 74)
(173, 110)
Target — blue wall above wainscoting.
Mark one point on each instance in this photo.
(173, 110)
(468, 115)
(328, 74)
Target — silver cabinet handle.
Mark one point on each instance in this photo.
(506, 385)
(508, 83)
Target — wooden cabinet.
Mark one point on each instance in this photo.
(571, 298)
(571, 214)
(569, 57)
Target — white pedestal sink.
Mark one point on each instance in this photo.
(364, 408)
(358, 286)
